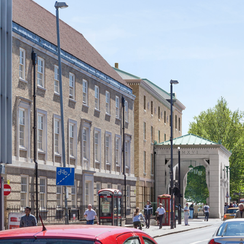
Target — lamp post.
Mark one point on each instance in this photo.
(179, 196)
(57, 6)
(171, 163)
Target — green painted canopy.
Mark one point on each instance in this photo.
(189, 139)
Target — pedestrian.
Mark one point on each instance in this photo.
(206, 211)
(235, 204)
(28, 219)
(147, 213)
(231, 205)
(186, 214)
(225, 207)
(90, 214)
(137, 219)
(160, 211)
(239, 213)
(191, 210)
(195, 211)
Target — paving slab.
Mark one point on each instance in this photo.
(154, 230)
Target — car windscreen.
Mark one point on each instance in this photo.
(235, 228)
(45, 241)
(231, 210)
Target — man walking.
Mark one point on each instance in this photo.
(90, 215)
(147, 213)
(186, 214)
(28, 219)
(239, 213)
(206, 211)
(160, 211)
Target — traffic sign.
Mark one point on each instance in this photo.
(7, 189)
(65, 176)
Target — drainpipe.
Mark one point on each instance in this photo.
(33, 58)
(123, 149)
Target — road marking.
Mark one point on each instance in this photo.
(199, 241)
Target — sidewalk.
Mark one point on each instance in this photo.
(154, 231)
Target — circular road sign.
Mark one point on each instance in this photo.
(7, 189)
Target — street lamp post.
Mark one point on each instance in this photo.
(179, 196)
(171, 163)
(57, 6)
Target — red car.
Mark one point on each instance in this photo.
(74, 234)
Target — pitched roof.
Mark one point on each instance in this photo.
(130, 78)
(38, 20)
(189, 139)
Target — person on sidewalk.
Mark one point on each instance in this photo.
(28, 219)
(240, 212)
(226, 207)
(206, 211)
(186, 214)
(90, 215)
(137, 219)
(160, 211)
(147, 213)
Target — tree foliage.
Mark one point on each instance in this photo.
(196, 189)
(220, 124)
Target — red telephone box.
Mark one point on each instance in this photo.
(165, 199)
(110, 207)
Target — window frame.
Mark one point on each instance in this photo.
(27, 110)
(98, 159)
(74, 195)
(144, 162)
(176, 122)
(107, 102)
(152, 135)
(108, 149)
(44, 207)
(118, 151)
(144, 131)
(97, 97)
(126, 111)
(152, 165)
(85, 124)
(85, 92)
(59, 153)
(74, 124)
(61, 196)
(22, 64)
(56, 79)
(42, 85)
(145, 103)
(24, 192)
(117, 107)
(71, 86)
(44, 136)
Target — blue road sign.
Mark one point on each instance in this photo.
(65, 176)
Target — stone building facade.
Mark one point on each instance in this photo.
(92, 98)
(151, 126)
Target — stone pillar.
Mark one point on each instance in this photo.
(214, 186)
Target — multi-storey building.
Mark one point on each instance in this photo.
(93, 118)
(151, 125)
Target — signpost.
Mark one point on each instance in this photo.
(65, 176)
(7, 190)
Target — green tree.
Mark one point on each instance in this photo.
(196, 189)
(220, 124)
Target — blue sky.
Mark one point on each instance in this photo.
(198, 43)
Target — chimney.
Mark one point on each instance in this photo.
(116, 65)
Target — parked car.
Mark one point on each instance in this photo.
(230, 213)
(74, 234)
(230, 231)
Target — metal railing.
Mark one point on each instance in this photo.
(54, 214)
